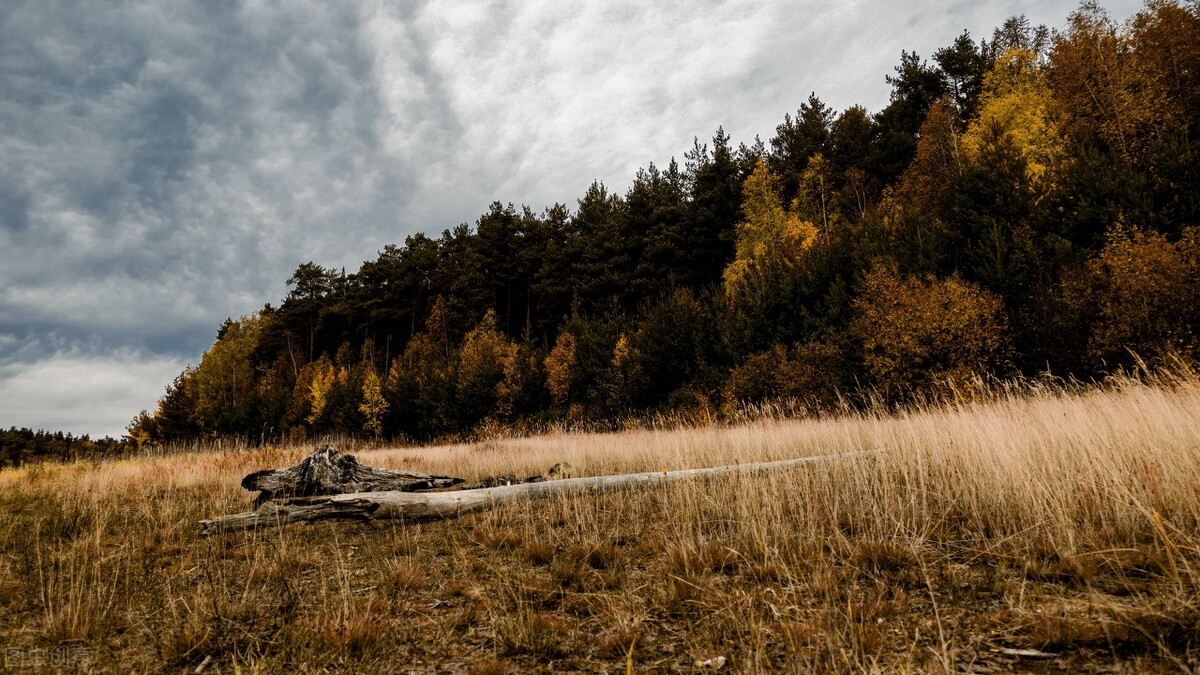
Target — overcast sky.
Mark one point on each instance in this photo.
(164, 165)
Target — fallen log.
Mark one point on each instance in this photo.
(425, 506)
(329, 472)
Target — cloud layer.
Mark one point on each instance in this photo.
(167, 164)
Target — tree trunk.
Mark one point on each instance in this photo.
(329, 472)
(425, 506)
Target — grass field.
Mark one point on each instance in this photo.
(1061, 521)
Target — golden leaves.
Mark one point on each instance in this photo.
(917, 332)
(1016, 102)
(559, 366)
(770, 238)
(374, 406)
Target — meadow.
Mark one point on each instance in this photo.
(1032, 527)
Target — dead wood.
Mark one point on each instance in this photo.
(329, 472)
(556, 472)
(422, 506)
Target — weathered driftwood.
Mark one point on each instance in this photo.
(329, 472)
(421, 506)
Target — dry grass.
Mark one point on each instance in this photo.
(1031, 518)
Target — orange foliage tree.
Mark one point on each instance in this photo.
(920, 332)
(1144, 290)
(560, 363)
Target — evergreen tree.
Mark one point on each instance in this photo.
(797, 140)
(963, 64)
(915, 88)
(657, 209)
(716, 202)
(605, 252)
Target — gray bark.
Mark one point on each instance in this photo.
(329, 472)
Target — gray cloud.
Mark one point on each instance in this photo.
(167, 164)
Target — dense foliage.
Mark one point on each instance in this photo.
(1023, 204)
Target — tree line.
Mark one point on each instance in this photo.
(1024, 204)
(19, 446)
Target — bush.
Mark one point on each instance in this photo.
(810, 372)
(919, 332)
(1144, 291)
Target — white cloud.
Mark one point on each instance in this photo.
(83, 394)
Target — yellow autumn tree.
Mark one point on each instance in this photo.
(621, 353)
(374, 406)
(560, 366)
(769, 238)
(620, 374)
(814, 201)
(1104, 85)
(481, 368)
(1016, 101)
(1144, 288)
(522, 375)
(324, 376)
(225, 381)
(140, 432)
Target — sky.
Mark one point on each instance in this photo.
(165, 165)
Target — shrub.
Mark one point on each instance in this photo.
(1144, 291)
(810, 372)
(917, 332)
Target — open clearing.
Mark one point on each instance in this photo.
(1033, 529)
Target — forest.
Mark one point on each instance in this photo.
(1025, 205)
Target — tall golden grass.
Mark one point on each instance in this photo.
(1060, 520)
